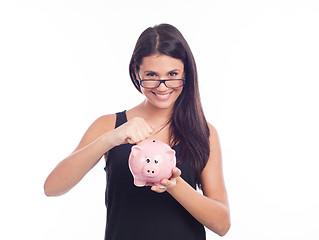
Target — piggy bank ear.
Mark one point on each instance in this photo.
(135, 150)
(171, 154)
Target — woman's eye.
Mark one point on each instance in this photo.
(172, 74)
(151, 74)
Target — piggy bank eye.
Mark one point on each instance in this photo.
(156, 161)
(148, 160)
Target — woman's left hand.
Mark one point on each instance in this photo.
(168, 183)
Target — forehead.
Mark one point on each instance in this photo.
(158, 63)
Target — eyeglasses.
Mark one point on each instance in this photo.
(154, 83)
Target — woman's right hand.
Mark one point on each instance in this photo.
(133, 131)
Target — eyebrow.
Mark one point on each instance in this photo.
(174, 70)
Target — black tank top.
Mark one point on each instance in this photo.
(138, 213)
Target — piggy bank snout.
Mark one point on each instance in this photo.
(150, 171)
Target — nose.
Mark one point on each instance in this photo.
(162, 87)
(150, 171)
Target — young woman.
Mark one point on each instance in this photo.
(162, 68)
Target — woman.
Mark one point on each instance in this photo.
(162, 68)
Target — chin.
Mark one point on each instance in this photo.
(165, 106)
(168, 104)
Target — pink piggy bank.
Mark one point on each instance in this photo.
(151, 161)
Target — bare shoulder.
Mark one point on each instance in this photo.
(99, 127)
(104, 123)
(213, 133)
(215, 149)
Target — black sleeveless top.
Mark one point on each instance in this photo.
(138, 213)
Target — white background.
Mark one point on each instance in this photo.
(65, 63)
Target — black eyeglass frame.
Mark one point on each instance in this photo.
(140, 81)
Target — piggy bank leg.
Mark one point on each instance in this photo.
(139, 183)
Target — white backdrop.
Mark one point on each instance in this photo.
(65, 63)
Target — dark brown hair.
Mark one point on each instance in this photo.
(188, 126)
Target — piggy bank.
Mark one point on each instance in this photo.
(151, 161)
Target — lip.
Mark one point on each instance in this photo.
(162, 96)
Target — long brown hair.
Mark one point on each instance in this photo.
(188, 126)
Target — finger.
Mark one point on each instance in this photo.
(167, 183)
(139, 135)
(143, 126)
(176, 172)
(131, 139)
(145, 133)
(158, 190)
(135, 136)
(149, 129)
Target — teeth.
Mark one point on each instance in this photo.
(162, 96)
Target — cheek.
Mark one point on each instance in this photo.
(146, 92)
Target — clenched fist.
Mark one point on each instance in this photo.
(133, 131)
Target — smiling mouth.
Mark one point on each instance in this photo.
(162, 96)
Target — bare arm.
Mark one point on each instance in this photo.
(98, 139)
(210, 209)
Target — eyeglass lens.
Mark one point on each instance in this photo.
(171, 83)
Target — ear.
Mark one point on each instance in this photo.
(135, 150)
(171, 154)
